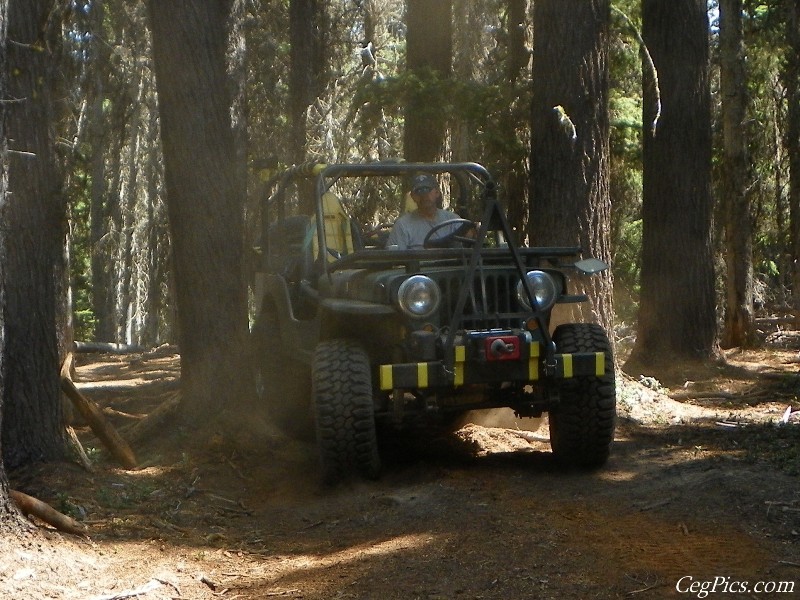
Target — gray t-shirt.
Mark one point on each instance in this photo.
(410, 229)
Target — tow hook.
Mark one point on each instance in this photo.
(499, 347)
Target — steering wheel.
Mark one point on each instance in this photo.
(377, 235)
(457, 235)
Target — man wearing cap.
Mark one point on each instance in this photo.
(410, 229)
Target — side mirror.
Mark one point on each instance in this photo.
(590, 266)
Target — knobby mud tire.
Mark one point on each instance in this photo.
(344, 411)
(582, 424)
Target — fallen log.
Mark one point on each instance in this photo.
(113, 413)
(104, 431)
(28, 505)
(154, 422)
(111, 347)
(708, 395)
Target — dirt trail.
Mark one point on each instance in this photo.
(699, 488)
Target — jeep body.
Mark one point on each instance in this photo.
(368, 337)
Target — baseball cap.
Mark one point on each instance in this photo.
(423, 183)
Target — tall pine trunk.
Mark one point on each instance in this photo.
(739, 324)
(792, 140)
(429, 56)
(516, 175)
(677, 317)
(570, 202)
(35, 216)
(9, 518)
(206, 212)
(99, 136)
(306, 24)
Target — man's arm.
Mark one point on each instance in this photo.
(397, 236)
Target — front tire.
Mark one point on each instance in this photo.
(344, 411)
(582, 424)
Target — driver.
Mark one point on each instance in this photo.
(410, 229)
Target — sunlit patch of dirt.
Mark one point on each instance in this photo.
(699, 483)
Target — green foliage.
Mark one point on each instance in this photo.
(776, 445)
(80, 255)
(626, 126)
(625, 181)
(359, 114)
(764, 129)
(120, 496)
(69, 507)
(477, 104)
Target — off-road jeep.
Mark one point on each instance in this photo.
(362, 337)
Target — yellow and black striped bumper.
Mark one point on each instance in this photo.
(528, 368)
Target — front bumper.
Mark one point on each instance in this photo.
(475, 361)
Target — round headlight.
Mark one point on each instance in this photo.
(419, 296)
(544, 290)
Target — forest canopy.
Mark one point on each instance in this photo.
(342, 97)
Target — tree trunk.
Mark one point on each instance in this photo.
(570, 202)
(306, 25)
(237, 70)
(128, 217)
(429, 56)
(98, 136)
(206, 215)
(677, 316)
(516, 176)
(10, 521)
(33, 428)
(518, 55)
(739, 327)
(792, 141)
(158, 246)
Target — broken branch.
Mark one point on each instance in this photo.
(100, 426)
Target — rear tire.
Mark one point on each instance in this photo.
(582, 424)
(344, 411)
(283, 385)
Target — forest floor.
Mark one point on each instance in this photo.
(702, 488)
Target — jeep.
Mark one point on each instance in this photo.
(354, 338)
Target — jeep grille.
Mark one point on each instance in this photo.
(491, 303)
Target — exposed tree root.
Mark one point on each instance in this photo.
(28, 505)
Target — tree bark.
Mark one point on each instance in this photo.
(429, 57)
(33, 427)
(99, 136)
(158, 243)
(677, 317)
(206, 215)
(792, 140)
(739, 325)
(10, 520)
(518, 55)
(569, 161)
(516, 176)
(128, 216)
(307, 55)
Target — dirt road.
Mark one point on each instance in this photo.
(696, 493)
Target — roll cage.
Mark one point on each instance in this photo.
(321, 178)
